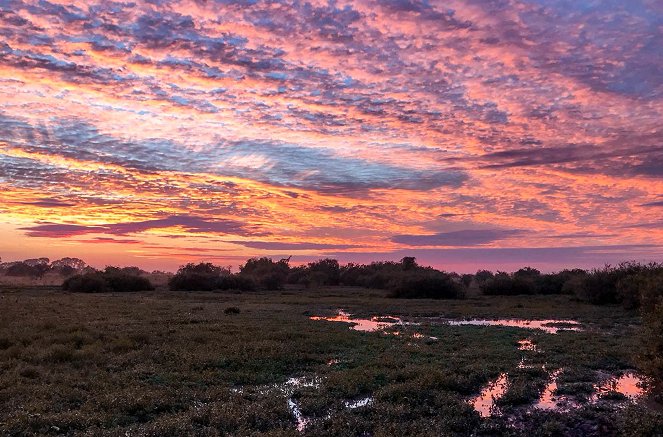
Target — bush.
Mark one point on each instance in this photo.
(231, 310)
(236, 282)
(189, 281)
(120, 282)
(621, 284)
(432, 285)
(651, 356)
(198, 277)
(265, 272)
(110, 280)
(325, 271)
(529, 281)
(86, 283)
(502, 284)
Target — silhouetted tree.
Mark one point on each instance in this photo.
(409, 263)
(198, 277)
(265, 272)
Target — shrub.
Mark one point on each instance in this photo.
(235, 282)
(433, 285)
(651, 356)
(621, 284)
(198, 277)
(265, 272)
(502, 284)
(109, 280)
(377, 274)
(86, 283)
(482, 276)
(231, 310)
(189, 281)
(120, 282)
(324, 272)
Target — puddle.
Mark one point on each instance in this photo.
(381, 323)
(364, 325)
(363, 402)
(548, 326)
(302, 421)
(629, 384)
(547, 400)
(374, 324)
(484, 403)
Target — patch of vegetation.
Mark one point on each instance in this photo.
(166, 363)
(266, 273)
(115, 279)
(431, 285)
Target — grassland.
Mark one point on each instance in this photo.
(174, 363)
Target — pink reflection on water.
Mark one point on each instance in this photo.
(484, 403)
(365, 325)
(548, 400)
(628, 384)
(550, 326)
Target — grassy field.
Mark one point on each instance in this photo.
(166, 363)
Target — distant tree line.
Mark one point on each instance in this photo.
(38, 267)
(403, 279)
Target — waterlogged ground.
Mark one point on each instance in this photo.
(291, 364)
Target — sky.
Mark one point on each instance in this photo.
(470, 134)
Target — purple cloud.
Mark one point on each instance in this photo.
(292, 246)
(467, 237)
(189, 223)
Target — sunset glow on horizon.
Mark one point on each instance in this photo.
(469, 134)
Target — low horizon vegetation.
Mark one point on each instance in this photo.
(634, 286)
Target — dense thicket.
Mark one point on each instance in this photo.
(208, 277)
(111, 279)
(427, 284)
(265, 273)
(527, 281)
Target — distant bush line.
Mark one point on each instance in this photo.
(111, 279)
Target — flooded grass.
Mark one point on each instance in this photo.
(377, 323)
(484, 403)
(629, 385)
(175, 364)
(548, 326)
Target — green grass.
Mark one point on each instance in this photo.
(166, 363)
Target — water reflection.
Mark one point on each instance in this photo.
(302, 421)
(363, 402)
(365, 325)
(484, 403)
(548, 399)
(550, 326)
(380, 323)
(629, 385)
